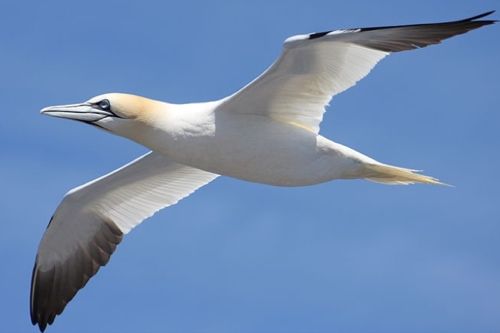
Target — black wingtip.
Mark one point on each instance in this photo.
(32, 310)
(480, 16)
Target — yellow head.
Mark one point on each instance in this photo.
(122, 114)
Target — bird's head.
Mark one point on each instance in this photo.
(122, 114)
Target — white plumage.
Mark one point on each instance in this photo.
(268, 132)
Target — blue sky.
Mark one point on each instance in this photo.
(345, 256)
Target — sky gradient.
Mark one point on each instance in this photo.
(344, 256)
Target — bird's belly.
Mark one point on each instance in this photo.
(259, 150)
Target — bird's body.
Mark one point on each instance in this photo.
(247, 146)
(267, 132)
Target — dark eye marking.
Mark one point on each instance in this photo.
(105, 105)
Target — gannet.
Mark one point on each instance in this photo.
(267, 132)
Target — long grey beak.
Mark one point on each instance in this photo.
(82, 112)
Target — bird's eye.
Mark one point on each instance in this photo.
(104, 105)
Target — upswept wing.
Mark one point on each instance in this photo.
(315, 67)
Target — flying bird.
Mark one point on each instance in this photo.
(267, 132)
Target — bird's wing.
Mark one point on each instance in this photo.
(92, 219)
(313, 68)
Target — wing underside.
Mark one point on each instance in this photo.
(315, 67)
(92, 220)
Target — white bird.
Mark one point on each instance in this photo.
(267, 132)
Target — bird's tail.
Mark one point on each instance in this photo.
(388, 174)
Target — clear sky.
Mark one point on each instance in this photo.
(345, 256)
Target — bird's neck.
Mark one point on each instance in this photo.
(173, 126)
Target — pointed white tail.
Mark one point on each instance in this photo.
(387, 174)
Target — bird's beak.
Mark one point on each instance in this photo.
(83, 112)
